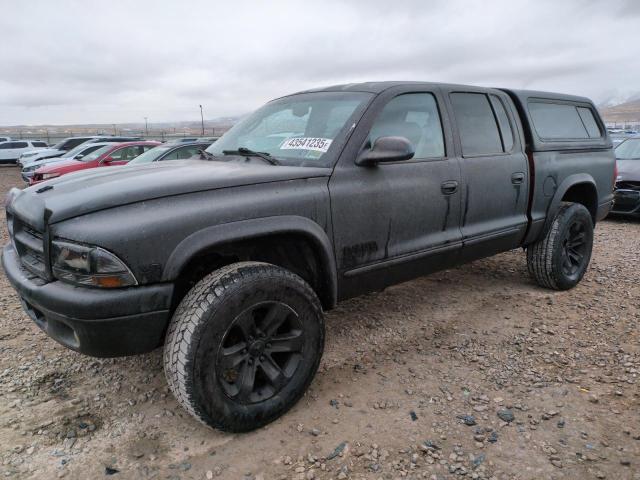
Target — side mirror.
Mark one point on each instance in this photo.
(79, 157)
(387, 149)
(107, 160)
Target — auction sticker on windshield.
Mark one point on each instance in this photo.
(306, 143)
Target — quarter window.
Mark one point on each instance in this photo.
(414, 116)
(39, 144)
(477, 125)
(586, 115)
(503, 121)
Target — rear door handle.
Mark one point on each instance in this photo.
(449, 187)
(517, 178)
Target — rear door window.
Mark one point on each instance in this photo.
(20, 145)
(477, 125)
(563, 121)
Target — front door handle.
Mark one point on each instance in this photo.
(449, 187)
(517, 178)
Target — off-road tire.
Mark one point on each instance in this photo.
(545, 257)
(198, 328)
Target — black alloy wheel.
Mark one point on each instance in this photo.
(574, 247)
(260, 352)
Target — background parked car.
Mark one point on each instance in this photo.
(627, 189)
(68, 144)
(170, 151)
(5, 139)
(74, 154)
(182, 140)
(109, 155)
(11, 150)
(57, 150)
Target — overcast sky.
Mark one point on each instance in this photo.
(118, 61)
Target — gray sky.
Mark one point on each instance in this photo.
(119, 61)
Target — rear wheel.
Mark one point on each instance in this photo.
(560, 259)
(244, 345)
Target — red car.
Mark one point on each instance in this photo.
(112, 154)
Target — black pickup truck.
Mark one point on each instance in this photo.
(314, 198)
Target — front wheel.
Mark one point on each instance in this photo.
(560, 259)
(244, 345)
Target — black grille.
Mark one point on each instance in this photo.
(29, 246)
(626, 200)
(627, 185)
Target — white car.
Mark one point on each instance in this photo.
(11, 150)
(57, 150)
(73, 154)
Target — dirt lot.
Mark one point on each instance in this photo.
(469, 373)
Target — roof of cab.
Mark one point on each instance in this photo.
(378, 87)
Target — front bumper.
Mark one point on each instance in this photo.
(96, 322)
(626, 202)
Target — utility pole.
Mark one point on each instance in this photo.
(115, 132)
(202, 120)
(146, 127)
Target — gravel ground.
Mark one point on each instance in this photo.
(473, 372)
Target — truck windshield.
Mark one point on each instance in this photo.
(629, 149)
(296, 130)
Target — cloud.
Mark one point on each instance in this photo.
(86, 61)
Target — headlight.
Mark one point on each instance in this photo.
(30, 169)
(47, 176)
(25, 155)
(89, 266)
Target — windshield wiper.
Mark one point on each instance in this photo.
(207, 155)
(250, 153)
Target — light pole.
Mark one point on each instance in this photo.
(202, 120)
(146, 127)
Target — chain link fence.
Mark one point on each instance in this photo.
(160, 135)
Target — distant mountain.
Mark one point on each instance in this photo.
(222, 122)
(627, 112)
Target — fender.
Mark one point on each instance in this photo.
(563, 188)
(246, 229)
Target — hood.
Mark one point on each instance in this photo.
(63, 163)
(628, 170)
(38, 162)
(40, 152)
(96, 189)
